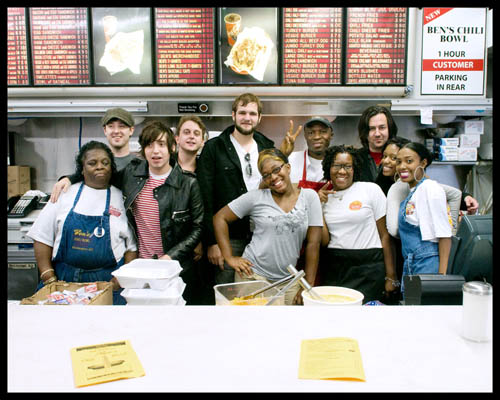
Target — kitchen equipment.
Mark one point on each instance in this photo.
(263, 289)
(307, 287)
(297, 276)
(226, 292)
(333, 290)
(477, 313)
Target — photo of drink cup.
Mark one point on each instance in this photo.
(233, 25)
(109, 24)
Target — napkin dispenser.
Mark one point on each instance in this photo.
(433, 289)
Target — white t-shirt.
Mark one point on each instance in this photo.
(278, 236)
(351, 216)
(400, 190)
(251, 181)
(427, 209)
(314, 168)
(48, 226)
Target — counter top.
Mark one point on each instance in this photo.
(247, 349)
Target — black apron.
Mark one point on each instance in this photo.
(362, 270)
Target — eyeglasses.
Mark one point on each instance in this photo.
(248, 168)
(275, 171)
(338, 167)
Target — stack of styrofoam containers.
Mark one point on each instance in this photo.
(469, 133)
(151, 282)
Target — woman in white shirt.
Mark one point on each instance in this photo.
(359, 253)
(283, 217)
(424, 222)
(85, 235)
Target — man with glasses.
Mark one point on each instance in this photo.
(227, 168)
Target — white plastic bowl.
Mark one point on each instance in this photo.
(321, 290)
(142, 273)
(170, 296)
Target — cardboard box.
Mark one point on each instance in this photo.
(467, 154)
(105, 298)
(446, 153)
(471, 127)
(442, 142)
(18, 180)
(470, 140)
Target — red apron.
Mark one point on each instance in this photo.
(304, 183)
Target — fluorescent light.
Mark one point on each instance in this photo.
(48, 106)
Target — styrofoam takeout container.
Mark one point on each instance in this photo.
(142, 273)
(172, 295)
(226, 292)
(358, 296)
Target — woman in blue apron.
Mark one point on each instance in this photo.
(422, 253)
(85, 252)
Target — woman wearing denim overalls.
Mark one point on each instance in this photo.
(92, 241)
(424, 221)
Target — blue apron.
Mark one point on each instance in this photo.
(420, 256)
(85, 253)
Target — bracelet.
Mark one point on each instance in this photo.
(44, 272)
(50, 280)
(394, 282)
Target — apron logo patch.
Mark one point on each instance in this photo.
(114, 211)
(410, 208)
(355, 205)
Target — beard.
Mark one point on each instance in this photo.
(244, 131)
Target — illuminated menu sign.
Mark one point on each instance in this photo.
(312, 45)
(185, 40)
(376, 46)
(17, 53)
(60, 46)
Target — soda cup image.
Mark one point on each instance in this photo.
(233, 25)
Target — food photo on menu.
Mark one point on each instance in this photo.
(122, 43)
(248, 41)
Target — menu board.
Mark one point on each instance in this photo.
(312, 45)
(185, 41)
(121, 40)
(60, 46)
(17, 52)
(376, 46)
(248, 40)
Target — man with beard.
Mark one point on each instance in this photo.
(226, 169)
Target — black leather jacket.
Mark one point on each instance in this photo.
(180, 204)
(221, 181)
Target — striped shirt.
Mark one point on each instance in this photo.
(147, 217)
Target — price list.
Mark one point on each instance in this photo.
(185, 45)
(60, 48)
(376, 46)
(17, 52)
(312, 45)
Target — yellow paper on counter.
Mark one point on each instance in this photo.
(331, 358)
(104, 363)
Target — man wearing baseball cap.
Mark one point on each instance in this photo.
(307, 170)
(118, 126)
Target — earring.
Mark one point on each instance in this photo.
(394, 177)
(415, 173)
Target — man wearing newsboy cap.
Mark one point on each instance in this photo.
(118, 125)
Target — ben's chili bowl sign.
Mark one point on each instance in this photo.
(453, 51)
